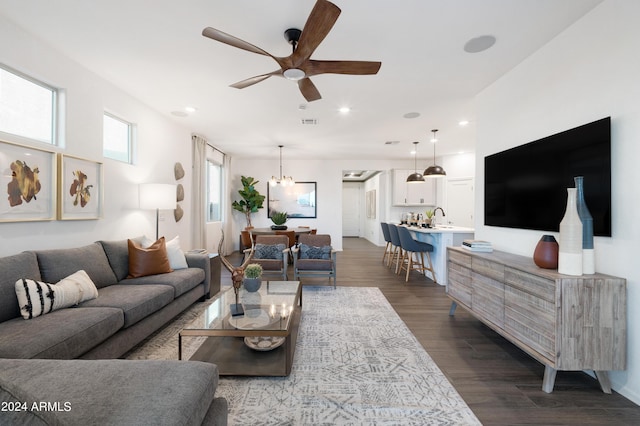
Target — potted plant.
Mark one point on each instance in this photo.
(251, 199)
(429, 220)
(252, 274)
(279, 218)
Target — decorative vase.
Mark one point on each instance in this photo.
(570, 246)
(252, 284)
(588, 255)
(279, 227)
(546, 253)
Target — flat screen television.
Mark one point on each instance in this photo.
(526, 186)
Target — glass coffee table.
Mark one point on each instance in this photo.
(261, 342)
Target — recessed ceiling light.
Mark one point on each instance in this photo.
(463, 123)
(190, 109)
(344, 110)
(412, 115)
(479, 44)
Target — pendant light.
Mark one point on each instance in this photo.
(434, 171)
(415, 177)
(283, 180)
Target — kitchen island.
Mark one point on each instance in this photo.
(441, 237)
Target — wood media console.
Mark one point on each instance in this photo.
(565, 322)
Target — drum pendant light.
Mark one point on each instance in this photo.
(415, 177)
(434, 171)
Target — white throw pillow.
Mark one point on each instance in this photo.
(177, 260)
(38, 298)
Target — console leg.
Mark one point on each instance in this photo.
(549, 379)
(452, 309)
(603, 379)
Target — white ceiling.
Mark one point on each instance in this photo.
(155, 51)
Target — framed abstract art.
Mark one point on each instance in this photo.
(80, 188)
(27, 182)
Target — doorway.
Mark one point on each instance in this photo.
(460, 202)
(351, 208)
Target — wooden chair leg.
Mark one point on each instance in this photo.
(430, 269)
(386, 251)
(409, 266)
(400, 262)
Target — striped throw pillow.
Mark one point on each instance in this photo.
(38, 298)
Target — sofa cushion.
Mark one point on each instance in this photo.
(269, 264)
(23, 265)
(60, 263)
(114, 392)
(118, 254)
(182, 280)
(314, 264)
(269, 251)
(175, 254)
(148, 261)
(38, 298)
(313, 252)
(137, 302)
(63, 334)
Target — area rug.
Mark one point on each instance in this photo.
(356, 363)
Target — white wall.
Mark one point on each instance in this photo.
(588, 72)
(161, 143)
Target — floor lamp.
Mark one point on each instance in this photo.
(157, 196)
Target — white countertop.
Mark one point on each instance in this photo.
(442, 229)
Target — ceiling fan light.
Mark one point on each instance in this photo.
(294, 74)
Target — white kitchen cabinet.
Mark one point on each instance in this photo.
(412, 194)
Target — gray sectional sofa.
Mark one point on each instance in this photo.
(126, 311)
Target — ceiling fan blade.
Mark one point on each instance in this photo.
(253, 80)
(308, 90)
(321, 19)
(313, 67)
(225, 38)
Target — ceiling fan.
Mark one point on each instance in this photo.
(299, 66)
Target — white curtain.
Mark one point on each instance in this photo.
(199, 182)
(228, 211)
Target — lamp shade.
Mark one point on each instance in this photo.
(160, 196)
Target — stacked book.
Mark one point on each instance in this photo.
(477, 245)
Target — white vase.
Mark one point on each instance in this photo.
(570, 250)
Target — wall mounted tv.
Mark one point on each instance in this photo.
(526, 186)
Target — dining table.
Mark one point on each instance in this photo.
(268, 231)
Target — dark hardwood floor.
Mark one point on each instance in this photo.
(500, 383)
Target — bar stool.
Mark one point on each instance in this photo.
(397, 247)
(417, 249)
(388, 249)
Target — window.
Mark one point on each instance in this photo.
(214, 191)
(117, 138)
(27, 107)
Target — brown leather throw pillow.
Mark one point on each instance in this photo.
(148, 261)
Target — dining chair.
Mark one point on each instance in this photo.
(291, 235)
(246, 240)
(413, 258)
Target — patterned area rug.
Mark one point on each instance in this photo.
(356, 363)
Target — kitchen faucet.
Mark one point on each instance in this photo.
(436, 209)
